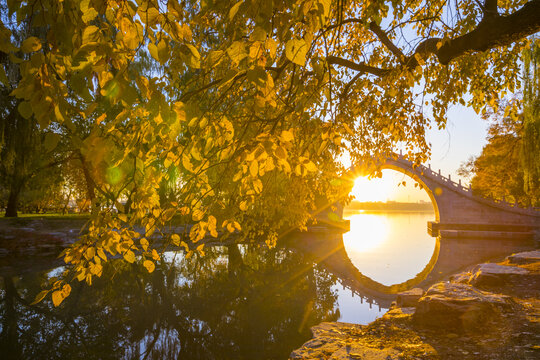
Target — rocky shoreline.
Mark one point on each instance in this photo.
(491, 312)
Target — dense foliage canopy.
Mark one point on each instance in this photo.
(233, 115)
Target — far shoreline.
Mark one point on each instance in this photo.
(389, 207)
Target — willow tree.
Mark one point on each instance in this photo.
(250, 103)
(530, 144)
(508, 166)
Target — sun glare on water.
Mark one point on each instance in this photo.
(367, 232)
(370, 231)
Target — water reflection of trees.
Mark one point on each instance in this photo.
(233, 303)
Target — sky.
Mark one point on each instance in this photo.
(464, 136)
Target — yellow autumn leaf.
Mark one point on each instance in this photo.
(230, 227)
(237, 51)
(200, 249)
(175, 239)
(101, 254)
(197, 215)
(187, 163)
(195, 153)
(57, 297)
(296, 51)
(149, 265)
(129, 256)
(96, 269)
(234, 10)
(257, 186)
(254, 168)
(280, 152)
(178, 108)
(90, 253)
(90, 34)
(31, 44)
(144, 244)
(184, 245)
(243, 205)
(286, 136)
(310, 166)
(168, 214)
(40, 296)
(212, 223)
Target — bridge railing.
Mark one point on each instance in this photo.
(427, 171)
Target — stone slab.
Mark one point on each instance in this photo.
(523, 258)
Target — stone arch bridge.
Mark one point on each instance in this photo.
(459, 212)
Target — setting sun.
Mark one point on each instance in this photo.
(377, 189)
(387, 188)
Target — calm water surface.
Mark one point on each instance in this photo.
(389, 248)
(237, 302)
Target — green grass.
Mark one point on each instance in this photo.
(48, 216)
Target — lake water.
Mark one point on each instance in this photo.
(237, 302)
(389, 248)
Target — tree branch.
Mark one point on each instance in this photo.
(358, 67)
(386, 41)
(493, 31)
(490, 8)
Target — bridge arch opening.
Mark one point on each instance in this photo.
(388, 239)
(396, 190)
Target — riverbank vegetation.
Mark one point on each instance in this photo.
(509, 166)
(231, 115)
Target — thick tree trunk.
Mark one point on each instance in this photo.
(236, 262)
(9, 338)
(90, 184)
(13, 200)
(66, 204)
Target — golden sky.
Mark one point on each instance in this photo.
(388, 188)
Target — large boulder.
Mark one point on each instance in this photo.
(342, 341)
(514, 278)
(328, 338)
(459, 307)
(462, 278)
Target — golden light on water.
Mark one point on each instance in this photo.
(370, 231)
(367, 232)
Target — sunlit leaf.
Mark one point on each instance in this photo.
(39, 297)
(129, 256)
(296, 51)
(31, 44)
(149, 265)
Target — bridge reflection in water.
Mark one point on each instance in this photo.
(379, 258)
